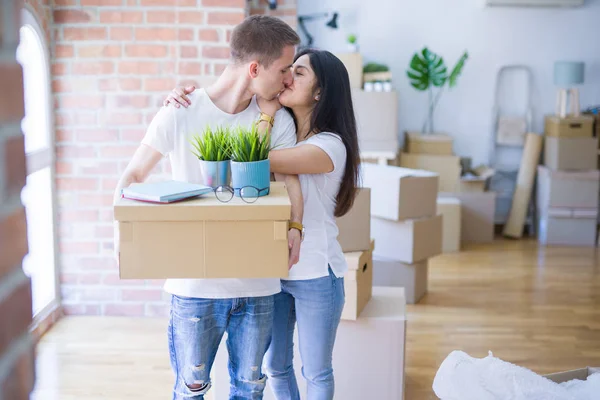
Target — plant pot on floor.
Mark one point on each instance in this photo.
(253, 179)
(215, 173)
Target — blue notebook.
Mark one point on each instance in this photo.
(164, 192)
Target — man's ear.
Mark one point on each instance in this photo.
(253, 69)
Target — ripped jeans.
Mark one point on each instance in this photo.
(195, 330)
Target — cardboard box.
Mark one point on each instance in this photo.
(569, 127)
(354, 65)
(581, 374)
(569, 229)
(412, 277)
(408, 241)
(567, 189)
(476, 180)
(205, 238)
(377, 339)
(377, 120)
(449, 209)
(571, 153)
(447, 167)
(355, 226)
(438, 143)
(477, 216)
(358, 282)
(400, 193)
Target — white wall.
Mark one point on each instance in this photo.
(391, 31)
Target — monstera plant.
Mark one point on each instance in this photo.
(428, 71)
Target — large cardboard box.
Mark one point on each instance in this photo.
(205, 238)
(581, 374)
(447, 167)
(571, 153)
(366, 354)
(569, 127)
(412, 277)
(450, 210)
(400, 193)
(418, 143)
(477, 216)
(567, 189)
(355, 226)
(354, 65)
(409, 241)
(568, 228)
(358, 282)
(377, 120)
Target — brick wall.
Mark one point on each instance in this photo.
(113, 63)
(16, 345)
(286, 10)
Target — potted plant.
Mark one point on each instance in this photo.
(213, 149)
(352, 45)
(250, 166)
(428, 70)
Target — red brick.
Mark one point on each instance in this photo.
(221, 52)
(117, 152)
(21, 378)
(190, 68)
(208, 35)
(15, 308)
(189, 52)
(130, 84)
(61, 86)
(71, 151)
(159, 84)
(122, 118)
(97, 135)
(14, 164)
(79, 118)
(95, 33)
(283, 12)
(225, 18)
(95, 200)
(71, 215)
(69, 278)
(131, 101)
(97, 51)
(108, 84)
(224, 3)
(65, 2)
(186, 34)
(127, 310)
(97, 263)
(64, 168)
(101, 2)
(12, 106)
(64, 51)
(77, 183)
(98, 168)
(121, 33)
(104, 232)
(167, 17)
(13, 240)
(190, 17)
(141, 294)
(89, 278)
(88, 101)
(132, 135)
(152, 34)
(139, 67)
(146, 50)
(81, 309)
(78, 247)
(121, 17)
(71, 16)
(94, 68)
(58, 68)
(65, 135)
(169, 3)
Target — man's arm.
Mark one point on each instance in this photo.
(138, 169)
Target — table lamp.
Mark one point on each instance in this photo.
(566, 75)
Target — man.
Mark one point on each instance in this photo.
(262, 52)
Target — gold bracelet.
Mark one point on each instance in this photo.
(265, 117)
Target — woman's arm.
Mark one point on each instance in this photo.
(305, 159)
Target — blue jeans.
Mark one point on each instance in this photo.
(316, 304)
(195, 331)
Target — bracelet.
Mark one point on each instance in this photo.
(267, 118)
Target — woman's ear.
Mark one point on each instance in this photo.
(318, 95)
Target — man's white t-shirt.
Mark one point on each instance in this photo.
(169, 133)
(321, 248)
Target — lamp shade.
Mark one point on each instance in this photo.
(568, 73)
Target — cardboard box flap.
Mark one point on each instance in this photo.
(436, 137)
(357, 259)
(275, 207)
(581, 374)
(570, 120)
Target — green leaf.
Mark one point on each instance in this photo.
(427, 69)
(212, 145)
(457, 70)
(249, 145)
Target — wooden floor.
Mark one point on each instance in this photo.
(535, 307)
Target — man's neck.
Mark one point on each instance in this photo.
(230, 92)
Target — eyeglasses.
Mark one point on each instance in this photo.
(249, 194)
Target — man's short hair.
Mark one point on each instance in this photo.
(262, 37)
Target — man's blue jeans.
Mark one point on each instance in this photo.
(195, 331)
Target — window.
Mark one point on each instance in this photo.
(39, 194)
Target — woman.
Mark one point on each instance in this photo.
(326, 158)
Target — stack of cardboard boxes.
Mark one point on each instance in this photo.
(404, 225)
(568, 182)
